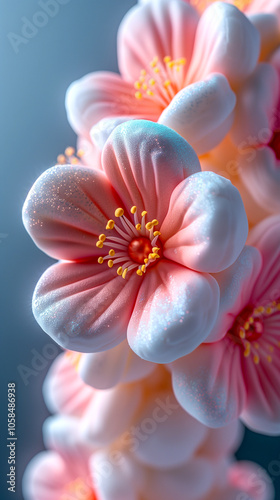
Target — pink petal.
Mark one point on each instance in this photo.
(252, 480)
(100, 95)
(160, 28)
(91, 154)
(253, 125)
(269, 6)
(62, 434)
(223, 441)
(261, 177)
(156, 436)
(204, 386)
(45, 477)
(110, 414)
(104, 370)
(139, 157)
(267, 26)
(202, 112)
(237, 284)
(226, 42)
(64, 392)
(85, 307)
(101, 131)
(174, 311)
(195, 478)
(206, 225)
(67, 208)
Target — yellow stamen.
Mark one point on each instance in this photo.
(157, 233)
(269, 359)
(102, 237)
(138, 95)
(80, 153)
(155, 249)
(133, 210)
(124, 273)
(100, 260)
(138, 227)
(143, 213)
(137, 85)
(119, 271)
(119, 212)
(99, 244)
(155, 222)
(167, 83)
(143, 72)
(110, 263)
(156, 70)
(251, 320)
(146, 261)
(61, 159)
(247, 350)
(242, 334)
(112, 252)
(139, 272)
(110, 224)
(69, 151)
(150, 93)
(152, 81)
(256, 359)
(167, 59)
(143, 268)
(268, 310)
(247, 325)
(149, 226)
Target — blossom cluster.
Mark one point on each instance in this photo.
(166, 293)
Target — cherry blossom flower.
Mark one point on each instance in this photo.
(176, 68)
(145, 273)
(238, 375)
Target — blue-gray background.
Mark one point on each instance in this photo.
(79, 39)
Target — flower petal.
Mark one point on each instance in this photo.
(206, 225)
(139, 157)
(162, 423)
(261, 177)
(268, 28)
(160, 28)
(253, 125)
(204, 386)
(101, 95)
(226, 42)
(223, 441)
(64, 392)
(84, 307)
(173, 313)
(104, 370)
(252, 479)
(200, 113)
(66, 210)
(236, 284)
(110, 414)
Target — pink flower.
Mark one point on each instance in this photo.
(176, 68)
(172, 226)
(237, 374)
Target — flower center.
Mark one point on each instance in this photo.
(162, 81)
(249, 328)
(275, 143)
(134, 246)
(78, 490)
(201, 5)
(70, 156)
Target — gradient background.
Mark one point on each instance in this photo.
(79, 39)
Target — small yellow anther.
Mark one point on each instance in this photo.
(138, 227)
(171, 64)
(111, 252)
(139, 272)
(100, 260)
(156, 70)
(110, 224)
(144, 86)
(167, 83)
(247, 350)
(99, 244)
(242, 334)
(119, 271)
(74, 161)
(269, 359)
(143, 268)
(182, 61)
(143, 213)
(110, 263)
(102, 237)
(155, 222)
(80, 153)
(137, 85)
(61, 159)
(251, 320)
(69, 151)
(149, 226)
(152, 82)
(269, 310)
(157, 233)
(247, 325)
(133, 209)
(124, 273)
(138, 95)
(146, 261)
(256, 359)
(119, 212)
(150, 93)
(260, 309)
(143, 72)
(167, 59)
(154, 62)
(155, 249)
